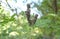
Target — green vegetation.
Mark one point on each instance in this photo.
(46, 27)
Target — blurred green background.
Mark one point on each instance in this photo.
(16, 26)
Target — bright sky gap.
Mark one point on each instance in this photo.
(20, 6)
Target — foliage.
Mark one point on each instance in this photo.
(17, 27)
